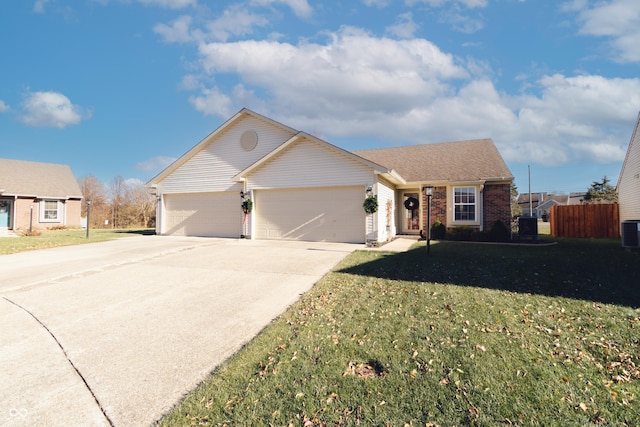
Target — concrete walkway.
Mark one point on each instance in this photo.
(116, 333)
(400, 244)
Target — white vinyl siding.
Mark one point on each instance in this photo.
(330, 214)
(629, 183)
(309, 164)
(203, 214)
(386, 218)
(212, 168)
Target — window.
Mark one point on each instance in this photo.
(50, 211)
(464, 203)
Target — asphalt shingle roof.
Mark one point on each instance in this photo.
(21, 177)
(451, 161)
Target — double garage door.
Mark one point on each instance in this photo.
(331, 214)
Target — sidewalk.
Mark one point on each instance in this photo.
(400, 244)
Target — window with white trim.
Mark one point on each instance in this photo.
(465, 203)
(50, 211)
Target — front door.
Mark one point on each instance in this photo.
(5, 213)
(411, 217)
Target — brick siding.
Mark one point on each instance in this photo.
(496, 201)
(497, 205)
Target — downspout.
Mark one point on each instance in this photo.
(159, 214)
(482, 207)
(13, 213)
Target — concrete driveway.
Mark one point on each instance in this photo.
(116, 333)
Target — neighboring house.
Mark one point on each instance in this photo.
(304, 188)
(541, 203)
(38, 195)
(628, 187)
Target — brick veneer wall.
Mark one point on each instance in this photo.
(497, 205)
(438, 207)
(496, 201)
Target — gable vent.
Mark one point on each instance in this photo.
(249, 140)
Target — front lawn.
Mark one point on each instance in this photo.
(64, 237)
(474, 334)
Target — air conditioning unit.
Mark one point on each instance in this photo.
(631, 233)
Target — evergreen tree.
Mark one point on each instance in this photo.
(601, 192)
(516, 209)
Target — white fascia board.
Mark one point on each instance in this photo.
(467, 182)
(498, 179)
(393, 177)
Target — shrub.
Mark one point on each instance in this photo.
(499, 232)
(460, 233)
(438, 230)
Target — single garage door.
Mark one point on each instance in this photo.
(330, 214)
(203, 214)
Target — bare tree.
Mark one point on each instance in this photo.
(117, 188)
(94, 190)
(140, 205)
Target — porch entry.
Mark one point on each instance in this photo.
(411, 214)
(5, 213)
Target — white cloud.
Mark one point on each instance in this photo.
(617, 20)
(234, 21)
(3, 107)
(155, 163)
(177, 32)
(170, 4)
(237, 20)
(377, 3)
(354, 70)
(51, 109)
(459, 22)
(405, 27)
(356, 85)
(300, 8)
(212, 102)
(39, 5)
(439, 3)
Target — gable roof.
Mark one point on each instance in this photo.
(390, 174)
(35, 179)
(446, 161)
(245, 112)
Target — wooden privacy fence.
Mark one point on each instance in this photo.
(589, 220)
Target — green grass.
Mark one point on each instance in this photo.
(55, 238)
(473, 335)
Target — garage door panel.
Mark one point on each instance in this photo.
(332, 214)
(203, 214)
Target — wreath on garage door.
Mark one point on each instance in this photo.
(247, 206)
(370, 204)
(411, 204)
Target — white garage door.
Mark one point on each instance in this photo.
(203, 214)
(330, 214)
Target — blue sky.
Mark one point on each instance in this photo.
(123, 87)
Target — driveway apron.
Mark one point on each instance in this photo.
(116, 333)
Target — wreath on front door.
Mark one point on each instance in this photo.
(411, 204)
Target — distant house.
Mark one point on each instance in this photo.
(541, 203)
(628, 187)
(38, 195)
(304, 188)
